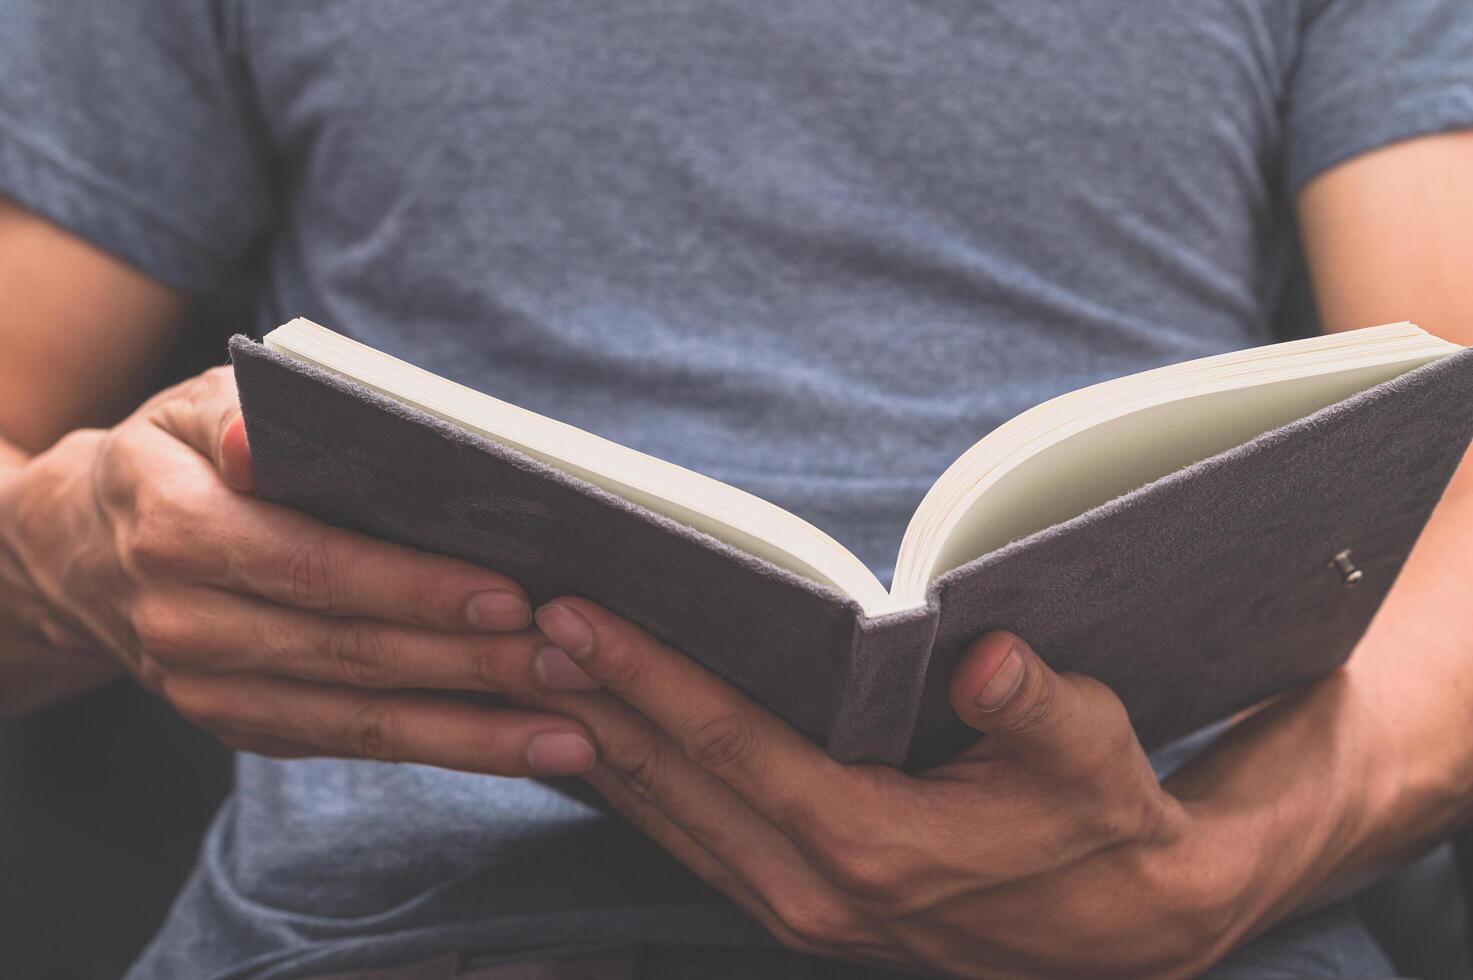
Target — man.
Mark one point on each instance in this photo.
(684, 226)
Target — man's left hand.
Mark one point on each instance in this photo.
(1047, 848)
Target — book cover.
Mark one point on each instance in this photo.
(1192, 597)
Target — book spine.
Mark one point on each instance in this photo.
(888, 659)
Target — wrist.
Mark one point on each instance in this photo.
(44, 656)
(49, 515)
(12, 577)
(1280, 801)
(1412, 683)
(1198, 888)
(1416, 785)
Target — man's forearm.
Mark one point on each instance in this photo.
(1415, 672)
(35, 669)
(1328, 788)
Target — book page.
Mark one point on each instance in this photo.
(1085, 462)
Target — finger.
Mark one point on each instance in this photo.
(233, 458)
(290, 558)
(769, 764)
(703, 821)
(797, 916)
(814, 882)
(200, 412)
(213, 630)
(1003, 689)
(649, 820)
(663, 776)
(386, 726)
(188, 527)
(704, 824)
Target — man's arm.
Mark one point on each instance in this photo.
(140, 546)
(1049, 848)
(83, 335)
(1389, 236)
(1376, 764)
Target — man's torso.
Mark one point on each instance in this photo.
(815, 249)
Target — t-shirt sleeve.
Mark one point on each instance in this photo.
(1370, 73)
(125, 122)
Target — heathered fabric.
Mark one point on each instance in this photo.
(813, 248)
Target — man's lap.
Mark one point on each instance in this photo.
(1329, 943)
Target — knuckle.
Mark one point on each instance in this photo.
(1140, 813)
(207, 386)
(1038, 710)
(723, 742)
(867, 873)
(489, 671)
(311, 576)
(114, 481)
(362, 653)
(158, 543)
(862, 860)
(278, 642)
(642, 764)
(160, 629)
(200, 703)
(817, 922)
(372, 733)
(151, 673)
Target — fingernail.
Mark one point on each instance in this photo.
(1004, 683)
(498, 610)
(559, 753)
(555, 671)
(565, 627)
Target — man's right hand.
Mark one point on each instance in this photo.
(281, 634)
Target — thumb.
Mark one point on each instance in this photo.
(204, 414)
(1001, 688)
(233, 456)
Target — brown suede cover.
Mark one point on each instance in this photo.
(1195, 595)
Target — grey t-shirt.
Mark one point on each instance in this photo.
(814, 249)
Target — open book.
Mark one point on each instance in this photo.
(1079, 467)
